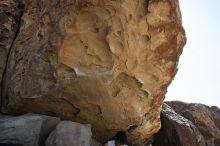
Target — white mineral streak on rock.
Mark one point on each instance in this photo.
(79, 73)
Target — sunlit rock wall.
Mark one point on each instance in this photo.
(103, 62)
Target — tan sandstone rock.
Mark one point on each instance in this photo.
(103, 62)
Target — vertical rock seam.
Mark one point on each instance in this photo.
(10, 16)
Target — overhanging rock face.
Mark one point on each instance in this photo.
(103, 62)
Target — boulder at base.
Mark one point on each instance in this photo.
(177, 130)
(69, 133)
(26, 130)
(205, 118)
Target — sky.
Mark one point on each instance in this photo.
(198, 77)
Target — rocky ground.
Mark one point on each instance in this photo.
(40, 130)
(182, 125)
(186, 124)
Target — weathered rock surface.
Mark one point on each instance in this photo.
(27, 130)
(216, 115)
(177, 130)
(10, 13)
(205, 118)
(107, 63)
(95, 143)
(69, 133)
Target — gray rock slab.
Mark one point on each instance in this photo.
(69, 133)
(28, 129)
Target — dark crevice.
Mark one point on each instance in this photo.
(99, 112)
(146, 4)
(77, 110)
(132, 128)
(20, 6)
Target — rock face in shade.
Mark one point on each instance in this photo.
(177, 130)
(205, 118)
(69, 133)
(95, 143)
(10, 13)
(216, 115)
(217, 142)
(107, 63)
(26, 130)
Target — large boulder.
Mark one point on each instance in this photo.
(107, 63)
(205, 118)
(10, 14)
(26, 130)
(177, 130)
(69, 133)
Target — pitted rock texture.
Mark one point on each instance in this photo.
(103, 62)
(10, 13)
